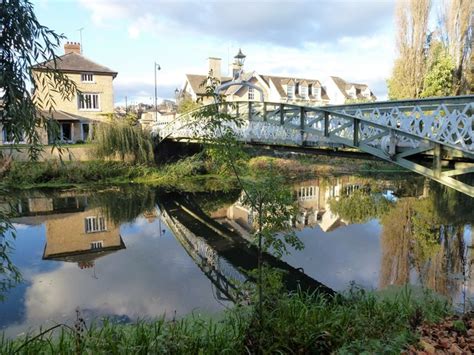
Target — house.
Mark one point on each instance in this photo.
(74, 231)
(341, 91)
(284, 89)
(94, 99)
(296, 90)
(164, 114)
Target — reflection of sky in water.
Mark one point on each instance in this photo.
(336, 258)
(151, 277)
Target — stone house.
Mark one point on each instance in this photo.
(94, 99)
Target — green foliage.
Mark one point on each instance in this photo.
(121, 140)
(25, 42)
(187, 105)
(126, 204)
(299, 323)
(360, 207)
(9, 273)
(439, 76)
(27, 174)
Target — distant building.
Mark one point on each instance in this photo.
(341, 91)
(77, 116)
(287, 89)
(165, 113)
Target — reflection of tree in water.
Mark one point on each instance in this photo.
(427, 236)
(9, 274)
(124, 204)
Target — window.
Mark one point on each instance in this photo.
(317, 92)
(89, 102)
(97, 245)
(8, 136)
(251, 94)
(304, 92)
(95, 224)
(297, 88)
(87, 78)
(310, 89)
(290, 92)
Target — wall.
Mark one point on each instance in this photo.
(102, 85)
(80, 153)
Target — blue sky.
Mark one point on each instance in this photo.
(353, 39)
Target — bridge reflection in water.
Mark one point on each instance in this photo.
(223, 255)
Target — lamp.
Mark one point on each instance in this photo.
(240, 58)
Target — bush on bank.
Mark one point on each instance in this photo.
(296, 323)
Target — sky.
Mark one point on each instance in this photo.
(353, 39)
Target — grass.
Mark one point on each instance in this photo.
(298, 322)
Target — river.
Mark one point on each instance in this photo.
(137, 252)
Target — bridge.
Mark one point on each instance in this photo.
(431, 137)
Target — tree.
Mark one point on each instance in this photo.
(409, 68)
(186, 105)
(23, 43)
(455, 27)
(439, 76)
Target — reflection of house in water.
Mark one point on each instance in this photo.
(313, 198)
(74, 232)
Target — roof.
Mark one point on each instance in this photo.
(343, 86)
(196, 81)
(73, 62)
(66, 116)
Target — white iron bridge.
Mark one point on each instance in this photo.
(432, 137)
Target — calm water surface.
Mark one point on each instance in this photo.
(139, 253)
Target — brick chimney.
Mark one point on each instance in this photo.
(215, 66)
(72, 47)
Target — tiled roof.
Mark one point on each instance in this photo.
(344, 86)
(73, 62)
(198, 82)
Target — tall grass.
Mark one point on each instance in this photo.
(123, 141)
(299, 323)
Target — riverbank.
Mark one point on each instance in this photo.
(196, 172)
(296, 323)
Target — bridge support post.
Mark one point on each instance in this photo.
(326, 124)
(356, 133)
(302, 123)
(282, 115)
(437, 160)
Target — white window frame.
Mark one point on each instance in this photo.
(95, 224)
(97, 244)
(304, 92)
(317, 92)
(290, 92)
(87, 78)
(251, 94)
(82, 99)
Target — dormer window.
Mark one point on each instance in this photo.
(290, 91)
(317, 92)
(304, 92)
(87, 78)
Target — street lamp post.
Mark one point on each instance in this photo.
(155, 69)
